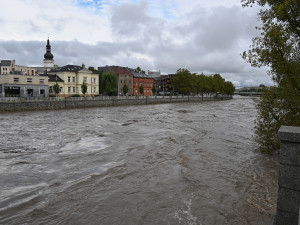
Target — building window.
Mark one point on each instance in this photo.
(42, 81)
(95, 89)
(69, 89)
(16, 79)
(29, 80)
(42, 92)
(74, 89)
(11, 91)
(94, 80)
(74, 79)
(60, 89)
(84, 79)
(69, 79)
(30, 92)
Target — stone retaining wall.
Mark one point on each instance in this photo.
(288, 202)
(69, 103)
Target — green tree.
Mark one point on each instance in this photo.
(268, 121)
(125, 89)
(139, 70)
(153, 90)
(219, 83)
(182, 81)
(109, 83)
(84, 88)
(278, 47)
(56, 89)
(212, 85)
(229, 88)
(202, 84)
(141, 90)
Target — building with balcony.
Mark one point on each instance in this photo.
(163, 84)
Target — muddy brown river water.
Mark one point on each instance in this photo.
(185, 163)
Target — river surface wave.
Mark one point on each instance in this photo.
(184, 163)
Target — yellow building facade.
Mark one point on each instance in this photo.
(73, 77)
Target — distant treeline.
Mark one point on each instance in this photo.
(186, 82)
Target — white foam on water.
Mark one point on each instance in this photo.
(184, 215)
(84, 145)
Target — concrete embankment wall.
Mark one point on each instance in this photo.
(70, 103)
(288, 202)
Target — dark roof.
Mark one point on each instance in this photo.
(48, 55)
(106, 68)
(6, 62)
(117, 69)
(71, 68)
(52, 78)
(121, 70)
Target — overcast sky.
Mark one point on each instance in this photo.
(199, 35)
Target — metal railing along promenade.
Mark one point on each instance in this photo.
(39, 99)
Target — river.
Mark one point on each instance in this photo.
(184, 163)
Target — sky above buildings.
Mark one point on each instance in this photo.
(199, 35)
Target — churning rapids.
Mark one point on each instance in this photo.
(184, 163)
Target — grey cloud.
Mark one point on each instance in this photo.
(209, 42)
(129, 19)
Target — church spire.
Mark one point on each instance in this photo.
(48, 55)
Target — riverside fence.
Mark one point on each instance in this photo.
(53, 103)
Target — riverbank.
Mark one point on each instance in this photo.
(39, 104)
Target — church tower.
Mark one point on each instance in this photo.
(48, 57)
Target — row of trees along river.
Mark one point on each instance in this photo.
(186, 82)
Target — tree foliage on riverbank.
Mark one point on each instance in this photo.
(278, 47)
(191, 83)
(109, 84)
